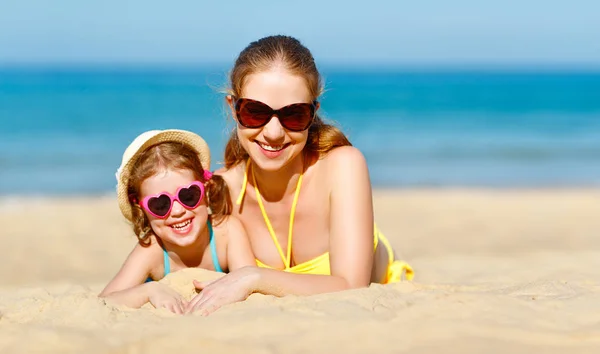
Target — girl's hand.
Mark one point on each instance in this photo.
(161, 295)
(233, 287)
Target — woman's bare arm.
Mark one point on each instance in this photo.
(351, 244)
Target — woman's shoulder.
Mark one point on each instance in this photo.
(233, 176)
(344, 161)
(343, 153)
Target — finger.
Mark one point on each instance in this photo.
(194, 299)
(198, 284)
(182, 304)
(201, 307)
(211, 308)
(202, 303)
(190, 306)
(178, 308)
(201, 284)
(213, 305)
(171, 307)
(197, 299)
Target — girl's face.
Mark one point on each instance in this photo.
(272, 146)
(182, 226)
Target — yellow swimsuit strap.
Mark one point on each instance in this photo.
(286, 260)
(244, 184)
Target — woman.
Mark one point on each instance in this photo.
(299, 187)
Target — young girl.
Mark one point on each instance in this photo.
(178, 210)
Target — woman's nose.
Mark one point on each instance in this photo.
(273, 130)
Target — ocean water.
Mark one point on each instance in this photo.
(63, 130)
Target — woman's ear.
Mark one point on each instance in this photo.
(230, 103)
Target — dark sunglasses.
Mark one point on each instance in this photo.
(255, 114)
(160, 205)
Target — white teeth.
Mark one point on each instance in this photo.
(271, 147)
(181, 225)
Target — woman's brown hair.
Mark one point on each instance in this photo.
(174, 156)
(264, 54)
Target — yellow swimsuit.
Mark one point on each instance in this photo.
(319, 264)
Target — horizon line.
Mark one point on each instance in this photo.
(326, 65)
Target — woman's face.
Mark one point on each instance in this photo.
(272, 147)
(182, 226)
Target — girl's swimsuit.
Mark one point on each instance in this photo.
(213, 251)
(320, 264)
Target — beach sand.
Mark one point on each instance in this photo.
(496, 271)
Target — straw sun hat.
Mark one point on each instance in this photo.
(144, 141)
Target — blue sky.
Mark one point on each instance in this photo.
(369, 32)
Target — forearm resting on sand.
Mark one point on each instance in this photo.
(134, 297)
(278, 283)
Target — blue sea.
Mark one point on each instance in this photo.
(63, 130)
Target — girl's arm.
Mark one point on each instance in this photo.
(239, 251)
(128, 287)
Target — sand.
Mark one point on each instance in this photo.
(496, 270)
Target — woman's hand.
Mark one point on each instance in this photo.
(161, 295)
(233, 287)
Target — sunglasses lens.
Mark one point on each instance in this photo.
(160, 205)
(252, 114)
(190, 196)
(297, 117)
(255, 114)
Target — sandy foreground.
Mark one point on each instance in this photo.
(495, 271)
